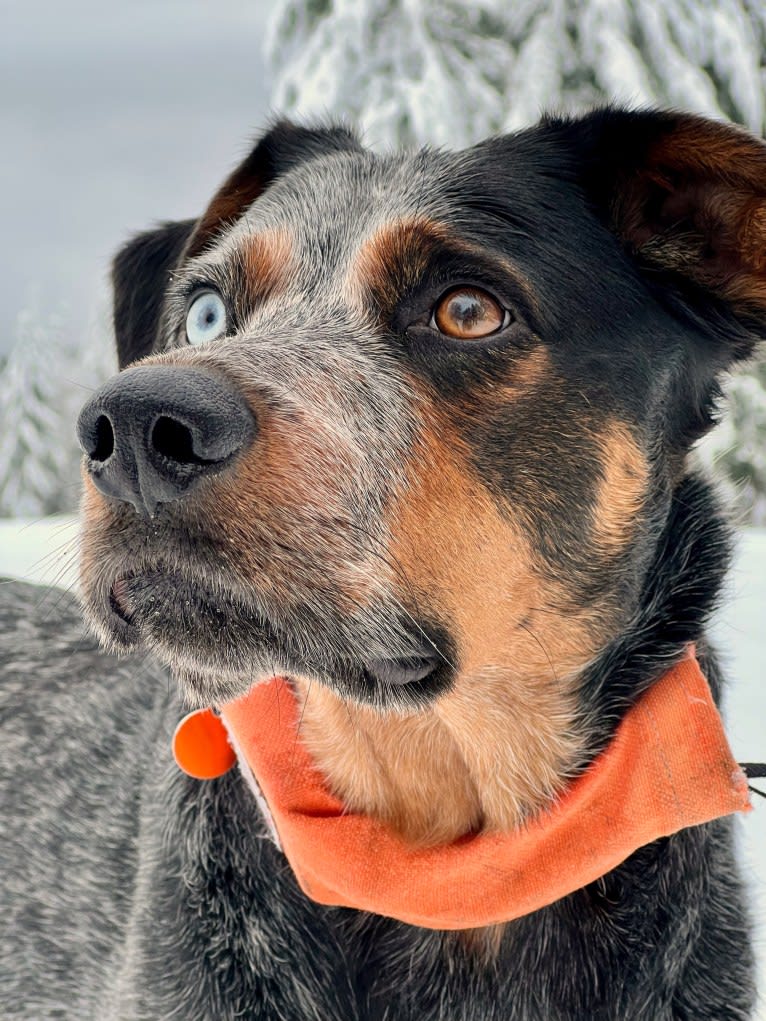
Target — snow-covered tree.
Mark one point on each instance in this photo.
(44, 380)
(736, 450)
(450, 72)
(31, 458)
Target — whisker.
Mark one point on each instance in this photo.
(45, 517)
(60, 595)
(51, 558)
(65, 565)
(430, 641)
(300, 720)
(531, 633)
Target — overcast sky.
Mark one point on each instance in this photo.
(114, 115)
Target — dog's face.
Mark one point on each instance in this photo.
(409, 425)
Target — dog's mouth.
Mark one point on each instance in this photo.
(218, 644)
(119, 602)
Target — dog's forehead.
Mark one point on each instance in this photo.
(328, 207)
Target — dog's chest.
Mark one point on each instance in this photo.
(146, 895)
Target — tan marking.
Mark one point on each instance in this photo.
(704, 147)
(98, 528)
(499, 745)
(376, 764)
(96, 516)
(622, 491)
(289, 493)
(525, 373)
(265, 260)
(286, 509)
(396, 256)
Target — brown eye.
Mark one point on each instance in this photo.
(468, 313)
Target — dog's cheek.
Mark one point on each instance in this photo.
(472, 564)
(97, 544)
(561, 462)
(284, 511)
(621, 492)
(95, 517)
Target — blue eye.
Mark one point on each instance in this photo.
(206, 318)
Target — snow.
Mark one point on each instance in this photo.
(44, 551)
(44, 381)
(739, 633)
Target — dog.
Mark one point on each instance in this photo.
(413, 433)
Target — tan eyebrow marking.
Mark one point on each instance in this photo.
(264, 261)
(397, 255)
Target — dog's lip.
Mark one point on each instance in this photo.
(119, 599)
(421, 660)
(403, 670)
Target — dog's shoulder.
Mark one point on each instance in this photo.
(77, 729)
(54, 675)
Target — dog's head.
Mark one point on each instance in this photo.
(410, 424)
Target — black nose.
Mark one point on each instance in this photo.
(153, 432)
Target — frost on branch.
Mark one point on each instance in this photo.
(43, 382)
(449, 73)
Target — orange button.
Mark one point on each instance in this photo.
(201, 745)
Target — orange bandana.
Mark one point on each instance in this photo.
(667, 767)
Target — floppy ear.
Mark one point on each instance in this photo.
(142, 268)
(140, 274)
(687, 198)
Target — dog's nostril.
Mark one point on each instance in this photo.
(104, 437)
(175, 441)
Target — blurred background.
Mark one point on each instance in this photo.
(114, 116)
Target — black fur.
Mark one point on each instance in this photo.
(140, 274)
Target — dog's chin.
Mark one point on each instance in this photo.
(199, 689)
(217, 646)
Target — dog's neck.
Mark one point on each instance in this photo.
(494, 749)
(502, 747)
(464, 765)
(668, 767)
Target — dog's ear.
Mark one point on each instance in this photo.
(284, 147)
(687, 198)
(140, 274)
